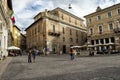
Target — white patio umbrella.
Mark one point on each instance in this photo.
(13, 48)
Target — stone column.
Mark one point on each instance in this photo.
(109, 40)
(99, 41)
(104, 41)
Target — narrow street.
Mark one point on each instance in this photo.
(62, 68)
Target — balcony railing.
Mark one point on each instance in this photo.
(117, 30)
(57, 34)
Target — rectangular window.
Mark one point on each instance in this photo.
(53, 28)
(98, 17)
(110, 26)
(91, 31)
(109, 14)
(100, 29)
(90, 20)
(101, 41)
(112, 39)
(107, 40)
(97, 42)
(118, 11)
(92, 42)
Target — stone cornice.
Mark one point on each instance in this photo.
(66, 12)
(48, 17)
(103, 10)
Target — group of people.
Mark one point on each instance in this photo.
(33, 52)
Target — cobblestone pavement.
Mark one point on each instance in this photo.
(62, 68)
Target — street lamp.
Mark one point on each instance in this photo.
(70, 6)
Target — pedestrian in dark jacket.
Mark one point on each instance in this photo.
(33, 54)
(29, 56)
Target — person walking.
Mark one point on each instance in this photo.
(29, 56)
(72, 56)
(34, 55)
(44, 52)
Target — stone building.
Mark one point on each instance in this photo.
(103, 28)
(23, 42)
(16, 36)
(5, 7)
(57, 30)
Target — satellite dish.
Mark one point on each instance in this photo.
(70, 6)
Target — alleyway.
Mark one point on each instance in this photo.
(62, 68)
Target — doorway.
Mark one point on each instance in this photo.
(64, 49)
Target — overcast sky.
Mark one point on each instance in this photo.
(25, 10)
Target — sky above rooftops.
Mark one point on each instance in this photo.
(25, 10)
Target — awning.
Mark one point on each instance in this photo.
(13, 48)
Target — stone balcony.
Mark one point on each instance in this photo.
(51, 33)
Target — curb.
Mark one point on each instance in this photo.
(4, 64)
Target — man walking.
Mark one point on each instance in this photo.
(29, 56)
(34, 54)
(72, 53)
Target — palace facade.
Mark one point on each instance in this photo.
(103, 28)
(57, 30)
